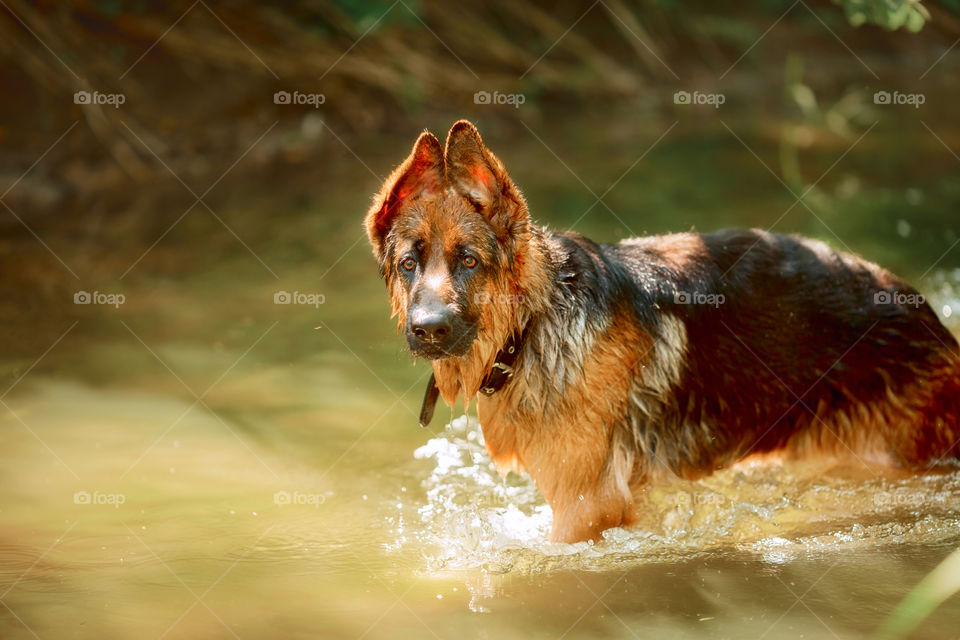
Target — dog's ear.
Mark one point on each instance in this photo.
(421, 172)
(479, 176)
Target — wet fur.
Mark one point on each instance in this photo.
(618, 383)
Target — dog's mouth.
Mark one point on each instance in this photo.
(455, 346)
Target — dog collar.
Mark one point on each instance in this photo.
(500, 373)
(502, 368)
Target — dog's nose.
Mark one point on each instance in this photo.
(432, 326)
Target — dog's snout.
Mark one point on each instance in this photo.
(431, 325)
(435, 330)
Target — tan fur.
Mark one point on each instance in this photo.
(574, 454)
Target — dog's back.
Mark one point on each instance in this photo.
(789, 345)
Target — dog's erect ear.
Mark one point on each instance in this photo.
(479, 176)
(421, 172)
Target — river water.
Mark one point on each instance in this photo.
(200, 461)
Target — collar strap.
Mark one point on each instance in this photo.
(500, 373)
(429, 402)
(502, 369)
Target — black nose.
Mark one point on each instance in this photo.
(432, 326)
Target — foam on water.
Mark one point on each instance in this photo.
(472, 518)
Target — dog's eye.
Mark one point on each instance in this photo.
(409, 264)
(469, 262)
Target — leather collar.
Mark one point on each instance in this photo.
(502, 368)
(429, 402)
(499, 374)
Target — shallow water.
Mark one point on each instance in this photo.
(473, 518)
(202, 462)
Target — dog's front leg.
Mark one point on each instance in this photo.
(585, 514)
(580, 467)
(588, 494)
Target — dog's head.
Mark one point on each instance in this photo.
(447, 229)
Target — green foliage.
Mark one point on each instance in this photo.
(889, 14)
(113, 8)
(940, 584)
(364, 13)
(739, 33)
(810, 118)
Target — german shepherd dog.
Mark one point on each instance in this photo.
(600, 368)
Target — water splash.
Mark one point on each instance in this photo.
(472, 518)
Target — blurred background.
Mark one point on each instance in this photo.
(208, 422)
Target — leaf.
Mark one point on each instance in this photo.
(889, 14)
(937, 586)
